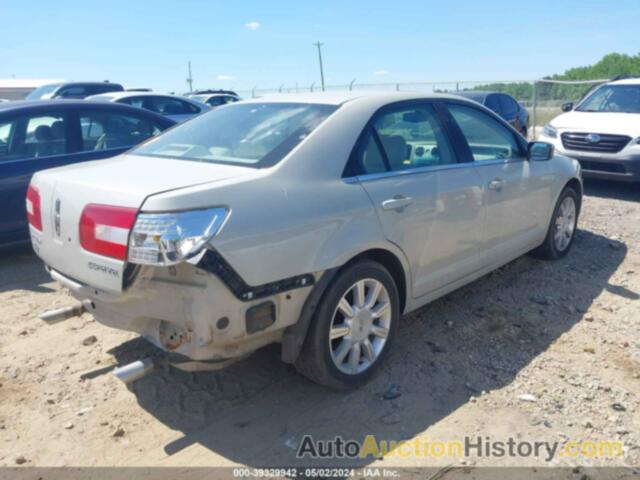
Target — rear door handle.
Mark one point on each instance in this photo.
(397, 202)
(496, 184)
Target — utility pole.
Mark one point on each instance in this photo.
(190, 78)
(319, 45)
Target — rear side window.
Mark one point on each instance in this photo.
(107, 130)
(45, 136)
(487, 138)
(73, 92)
(41, 135)
(508, 104)
(170, 106)
(104, 88)
(493, 104)
(403, 138)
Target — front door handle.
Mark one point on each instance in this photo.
(397, 202)
(496, 184)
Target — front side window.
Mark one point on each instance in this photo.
(613, 98)
(212, 101)
(488, 139)
(106, 130)
(170, 106)
(250, 134)
(133, 101)
(401, 139)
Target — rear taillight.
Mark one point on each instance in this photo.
(105, 229)
(34, 214)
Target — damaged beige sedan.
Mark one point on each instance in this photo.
(313, 221)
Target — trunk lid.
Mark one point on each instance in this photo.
(124, 181)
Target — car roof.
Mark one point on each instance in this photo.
(626, 81)
(34, 105)
(339, 98)
(209, 95)
(128, 93)
(71, 84)
(478, 93)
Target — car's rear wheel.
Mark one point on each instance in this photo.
(563, 226)
(352, 328)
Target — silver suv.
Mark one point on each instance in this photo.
(313, 221)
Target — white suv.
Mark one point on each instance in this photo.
(602, 132)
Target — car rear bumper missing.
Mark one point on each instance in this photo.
(187, 311)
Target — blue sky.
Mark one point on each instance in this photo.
(241, 44)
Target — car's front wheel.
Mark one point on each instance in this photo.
(352, 328)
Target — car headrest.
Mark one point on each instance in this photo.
(43, 133)
(57, 130)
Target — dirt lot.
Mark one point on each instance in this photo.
(536, 351)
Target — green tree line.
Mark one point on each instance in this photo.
(610, 66)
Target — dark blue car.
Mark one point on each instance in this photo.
(38, 135)
(504, 105)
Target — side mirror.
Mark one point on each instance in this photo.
(567, 107)
(540, 151)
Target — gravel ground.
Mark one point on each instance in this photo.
(536, 351)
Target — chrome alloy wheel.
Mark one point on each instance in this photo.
(565, 223)
(360, 326)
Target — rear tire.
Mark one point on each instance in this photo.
(562, 228)
(353, 327)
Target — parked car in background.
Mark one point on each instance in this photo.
(215, 99)
(35, 135)
(73, 90)
(504, 105)
(174, 107)
(311, 220)
(602, 131)
(210, 91)
(3, 100)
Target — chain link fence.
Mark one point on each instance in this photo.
(542, 98)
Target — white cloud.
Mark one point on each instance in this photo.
(252, 25)
(380, 73)
(225, 77)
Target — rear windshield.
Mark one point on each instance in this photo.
(250, 134)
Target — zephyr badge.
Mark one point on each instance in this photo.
(56, 217)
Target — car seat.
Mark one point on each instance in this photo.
(44, 141)
(396, 149)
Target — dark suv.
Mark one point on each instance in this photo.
(73, 90)
(504, 105)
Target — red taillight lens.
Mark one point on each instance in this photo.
(105, 229)
(34, 214)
